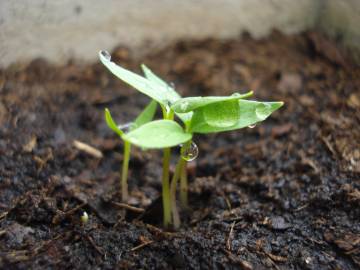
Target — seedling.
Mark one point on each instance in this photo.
(197, 114)
(144, 117)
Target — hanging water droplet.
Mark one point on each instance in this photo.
(263, 110)
(127, 127)
(106, 54)
(190, 153)
(252, 126)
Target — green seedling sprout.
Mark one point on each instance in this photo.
(198, 115)
(144, 117)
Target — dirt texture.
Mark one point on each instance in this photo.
(282, 195)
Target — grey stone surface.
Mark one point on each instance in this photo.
(60, 30)
(340, 19)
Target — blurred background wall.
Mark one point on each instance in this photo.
(60, 30)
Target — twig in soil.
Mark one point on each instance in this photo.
(141, 245)
(202, 217)
(129, 207)
(98, 249)
(243, 264)
(3, 215)
(61, 215)
(88, 149)
(301, 207)
(159, 232)
(328, 145)
(230, 237)
(36, 250)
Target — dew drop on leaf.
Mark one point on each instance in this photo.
(172, 85)
(190, 153)
(106, 54)
(127, 127)
(263, 110)
(252, 126)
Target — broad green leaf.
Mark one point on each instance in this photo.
(158, 134)
(221, 114)
(185, 117)
(146, 115)
(111, 123)
(152, 89)
(249, 113)
(156, 79)
(188, 104)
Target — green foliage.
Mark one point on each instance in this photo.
(158, 134)
(146, 115)
(215, 118)
(153, 89)
(111, 123)
(188, 104)
(198, 114)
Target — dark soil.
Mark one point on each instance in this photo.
(283, 195)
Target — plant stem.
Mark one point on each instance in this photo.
(124, 172)
(165, 188)
(183, 186)
(175, 212)
(166, 196)
(183, 177)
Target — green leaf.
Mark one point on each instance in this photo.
(161, 83)
(221, 114)
(111, 123)
(146, 115)
(158, 134)
(188, 104)
(249, 113)
(154, 90)
(185, 117)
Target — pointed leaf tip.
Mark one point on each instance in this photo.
(111, 123)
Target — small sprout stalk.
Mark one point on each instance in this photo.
(84, 218)
(124, 171)
(166, 196)
(175, 212)
(166, 188)
(183, 185)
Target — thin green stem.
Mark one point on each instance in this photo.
(166, 187)
(175, 212)
(124, 171)
(183, 177)
(183, 186)
(166, 196)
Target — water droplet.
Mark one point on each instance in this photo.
(106, 54)
(252, 126)
(236, 95)
(190, 153)
(263, 110)
(127, 127)
(172, 85)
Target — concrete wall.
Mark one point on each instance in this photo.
(340, 19)
(59, 30)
